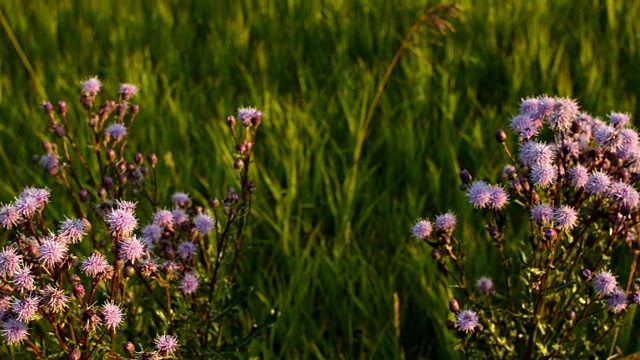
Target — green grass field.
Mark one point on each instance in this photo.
(336, 195)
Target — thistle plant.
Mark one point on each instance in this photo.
(106, 282)
(563, 214)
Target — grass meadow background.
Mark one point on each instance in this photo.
(330, 243)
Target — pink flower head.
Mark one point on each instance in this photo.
(619, 120)
(421, 230)
(14, 331)
(605, 283)
(479, 194)
(27, 308)
(91, 86)
(23, 280)
(467, 321)
(203, 224)
(189, 283)
(616, 301)
(131, 249)
(186, 250)
(116, 132)
(542, 214)
(543, 175)
(52, 252)
(127, 91)
(163, 218)
(498, 197)
(72, 230)
(96, 265)
(166, 344)
(9, 261)
(578, 176)
(446, 222)
(180, 200)
(598, 183)
(534, 153)
(111, 315)
(563, 114)
(122, 222)
(9, 216)
(152, 233)
(623, 194)
(565, 217)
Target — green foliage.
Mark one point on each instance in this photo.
(328, 251)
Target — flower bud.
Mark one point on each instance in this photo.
(78, 291)
(75, 354)
(47, 146)
(35, 159)
(454, 306)
(62, 108)
(256, 120)
(129, 271)
(110, 154)
(139, 158)
(585, 274)
(153, 159)
(129, 348)
(251, 186)
(135, 108)
(102, 193)
(107, 183)
(550, 234)
(231, 121)
(466, 177)
(123, 179)
(570, 315)
(47, 107)
(238, 164)
(84, 194)
(241, 148)
(501, 136)
(451, 325)
(59, 130)
(74, 278)
(214, 202)
(436, 255)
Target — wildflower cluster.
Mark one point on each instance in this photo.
(105, 279)
(573, 179)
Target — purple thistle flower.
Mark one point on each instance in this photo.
(127, 91)
(479, 194)
(619, 120)
(179, 216)
(499, 197)
(422, 228)
(189, 283)
(5, 305)
(148, 267)
(616, 301)
(54, 299)
(72, 230)
(126, 205)
(525, 126)
(446, 222)
(23, 280)
(26, 206)
(180, 200)
(131, 249)
(534, 153)
(111, 315)
(543, 175)
(116, 132)
(578, 176)
(163, 218)
(122, 222)
(529, 106)
(9, 261)
(546, 105)
(467, 321)
(203, 224)
(91, 86)
(629, 143)
(598, 183)
(152, 233)
(186, 250)
(247, 114)
(41, 195)
(14, 331)
(27, 308)
(565, 217)
(52, 252)
(50, 162)
(607, 137)
(564, 112)
(9, 216)
(542, 214)
(166, 344)
(485, 285)
(623, 194)
(605, 283)
(91, 320)
(96, 265)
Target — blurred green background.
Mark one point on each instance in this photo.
(330, 245)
